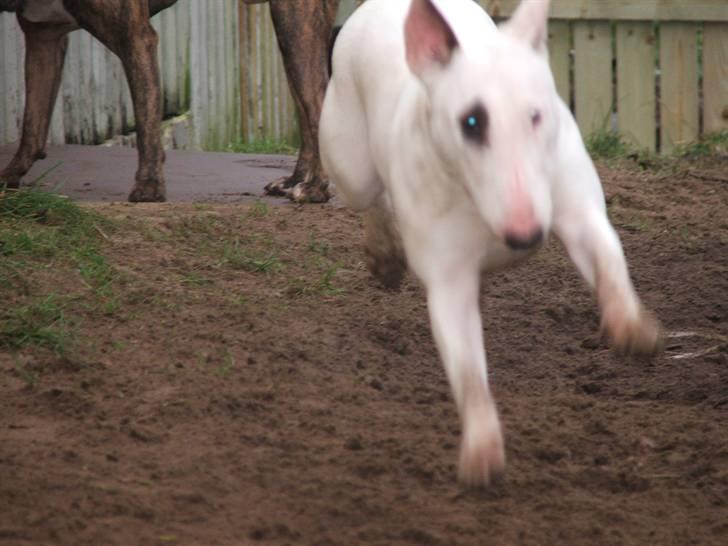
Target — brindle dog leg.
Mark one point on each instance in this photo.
(45, 50)
(125, 29)
(303, 29)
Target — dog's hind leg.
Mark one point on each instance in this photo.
(45, 50)
(125, 29)
(383, 244)
(303, 29)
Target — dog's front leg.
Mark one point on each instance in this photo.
(580, 221)
(45, 51)
(454, 314)
(125, 29)
(596, 251)
(303, 29)
(139, 57)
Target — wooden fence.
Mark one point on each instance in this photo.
(218, 60)
(655, 70)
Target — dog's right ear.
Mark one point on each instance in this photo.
(429, 40)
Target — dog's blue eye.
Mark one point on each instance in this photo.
(474, 124)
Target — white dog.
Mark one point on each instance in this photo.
(449, 133)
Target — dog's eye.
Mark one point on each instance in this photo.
(474, 124)
(535, 117)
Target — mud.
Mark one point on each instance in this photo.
(302, 404)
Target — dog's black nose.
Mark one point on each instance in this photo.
(518, 241)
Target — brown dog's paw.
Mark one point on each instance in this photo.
(311, 191)
(148, 192)
(9, 181)
(641, 336)
(280, 187)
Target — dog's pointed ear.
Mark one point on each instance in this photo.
(429, 40)
(529, 23)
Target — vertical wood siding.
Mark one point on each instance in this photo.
(655, 70)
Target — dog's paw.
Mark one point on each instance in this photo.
(639, 336)
(482, 453)
(148, 192)
(312, 191)
(10, 181)
(387, 267)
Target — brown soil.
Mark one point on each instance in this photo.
(284, 398)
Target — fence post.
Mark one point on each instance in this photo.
(715, 77)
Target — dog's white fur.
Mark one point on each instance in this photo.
(393, 142)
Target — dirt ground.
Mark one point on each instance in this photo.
(248, 383)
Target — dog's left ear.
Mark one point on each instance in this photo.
(529, 23)
(429, 40)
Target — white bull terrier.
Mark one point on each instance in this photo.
(449, 133)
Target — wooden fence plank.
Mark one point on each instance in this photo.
(624, 10)
(593, 75)
(244, 66)
(636, 83)
(115, 82)
(85, 97)
(165, 23)
(254, 74)
(268, 51)
(198, 72)
(678, 84)
(218, 76)
(560, 57)
(233, 72)
(12, 52)
(5, 29)
(715, 77)
(182, 48)
(346, 8)
(70, 91)
(101, 127)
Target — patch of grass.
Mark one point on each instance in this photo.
(195, 279)
(227, 364)
(95, 270)
(321, 248)
(41, 323)
(237, 301)
(635, 223)
(33, 222)
(325, 282)
(200, 224)
(320, 269)
(262, 146)
(44, 238)
(605, 144)
(29, 376)
(321, 285)
(259, 209)
(238, 255)
(709, 145)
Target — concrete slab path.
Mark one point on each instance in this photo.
(99, 173)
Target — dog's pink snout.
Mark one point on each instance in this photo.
(522, 230)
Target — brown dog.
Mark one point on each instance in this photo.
(303, 28)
